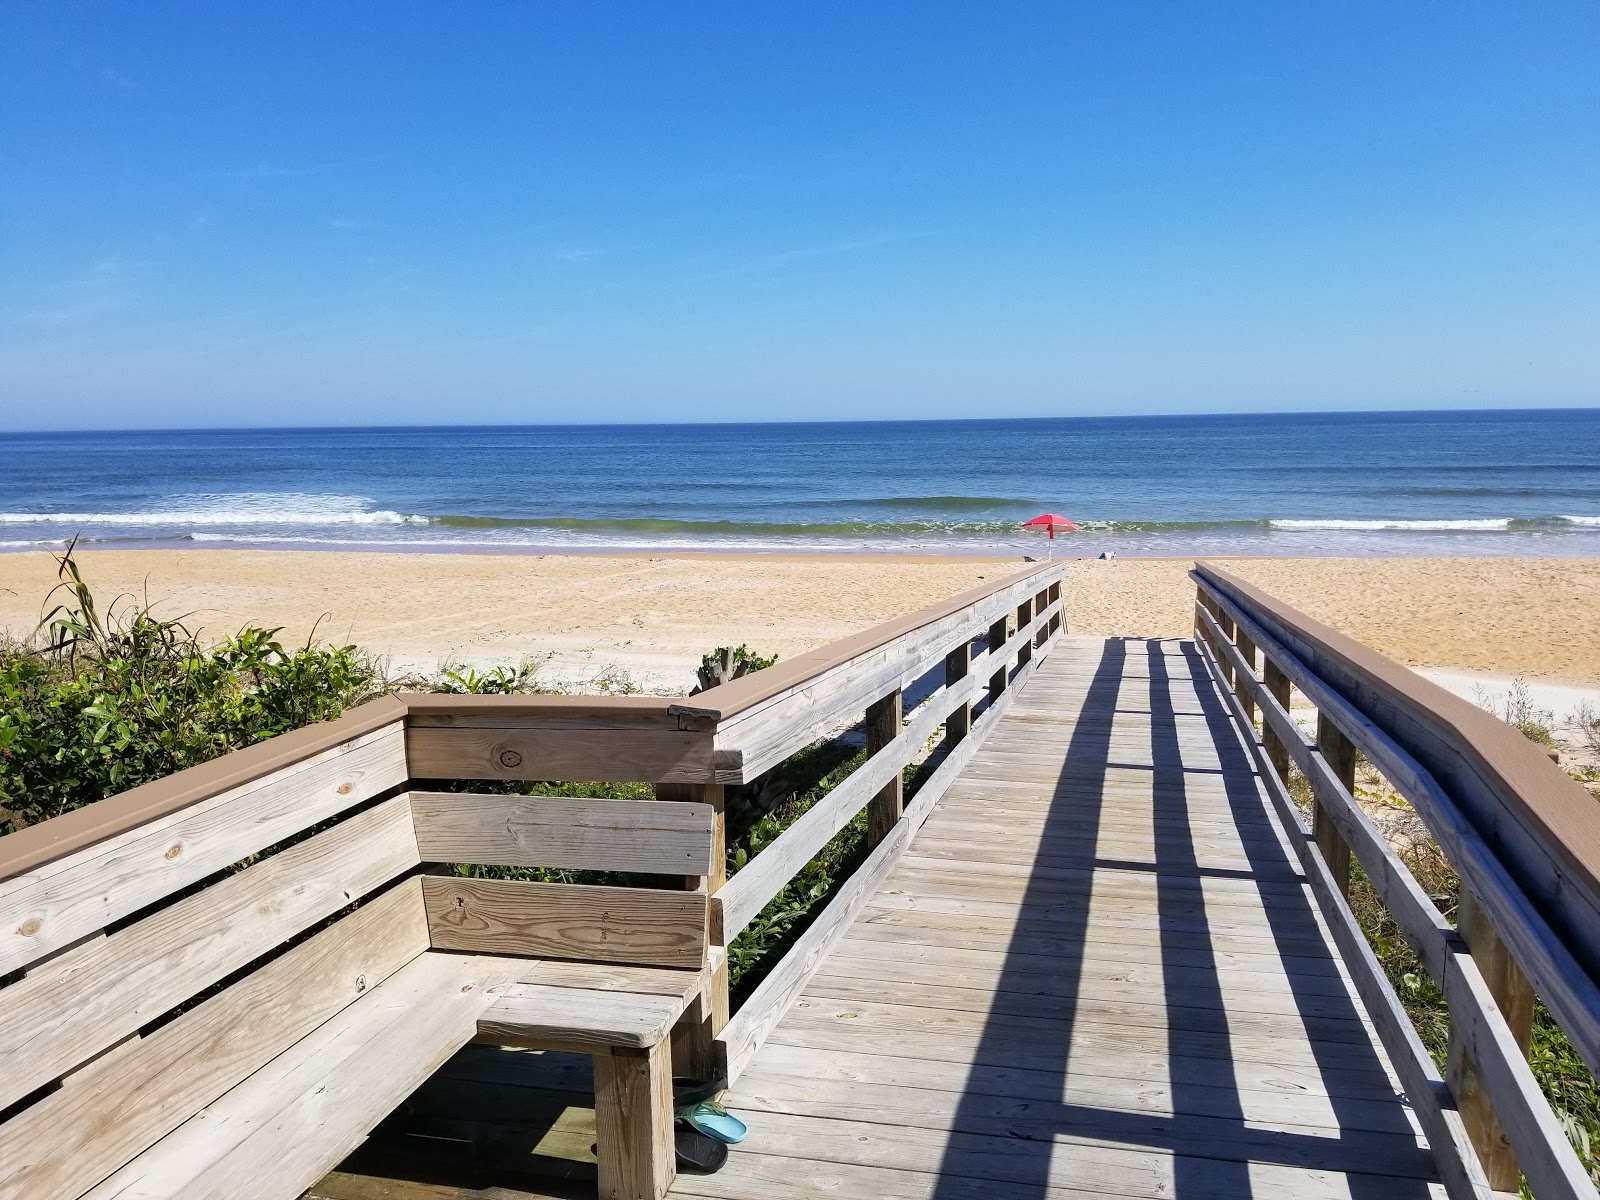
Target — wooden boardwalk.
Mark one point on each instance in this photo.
(1096, 970)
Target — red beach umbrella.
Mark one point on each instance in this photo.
(1052, 522)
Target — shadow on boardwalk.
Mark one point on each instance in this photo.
(1209, 1141)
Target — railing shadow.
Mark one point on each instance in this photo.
(1206, 1133)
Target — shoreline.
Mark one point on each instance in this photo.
(650, 616)
(996, 554)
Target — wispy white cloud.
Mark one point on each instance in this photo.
(103, 287)
(266, 170)
(844, 246)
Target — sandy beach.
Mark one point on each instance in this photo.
(650, 617)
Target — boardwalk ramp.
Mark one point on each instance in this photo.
(1084, 928)
(1096, 969)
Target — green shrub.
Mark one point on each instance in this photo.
(109, 701)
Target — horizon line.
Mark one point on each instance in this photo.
(1593, 407)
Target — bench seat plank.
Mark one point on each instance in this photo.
(610, 977)
(286, 1126)
(569, 1018)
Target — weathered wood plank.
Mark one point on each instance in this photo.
(289, 1123)
(72, 1139)
(650, 926)
(560, 831)
(542, 1016)
(53, 905)
(1566, 988)
(76, 1005)
(748, 892)
(633, 1123)
(617, 753)
(766, 1005)
(1430, 1098)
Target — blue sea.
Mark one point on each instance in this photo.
(1433, 483)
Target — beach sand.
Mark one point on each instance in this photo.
(650, 617)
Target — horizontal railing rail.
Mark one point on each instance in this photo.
(1522, 836)
(68, 878)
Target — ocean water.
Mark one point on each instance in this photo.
(1466, 483)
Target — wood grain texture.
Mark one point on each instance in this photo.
(1475, 782)
(76, 1005)
(290, 1122)
(765, 1007)
(616, 752)
(545, 1017)
(73, 1138)
(633, 1124)
(1435, 1108)
(1151, 1010)
(648, 926)
(558, 831)
(51, 906)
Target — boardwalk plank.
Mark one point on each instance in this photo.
(1096, 970)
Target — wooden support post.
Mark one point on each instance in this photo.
(1512, 992)
(884, 809)
(633, 1123)
(1024, 615)
(997, 639)
(1340, 754)
(1248, 649)
(694, 1051)
(956, 666)
(1278, 684)
(1223, 660)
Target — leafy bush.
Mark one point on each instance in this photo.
(102, 702)
(109, 701)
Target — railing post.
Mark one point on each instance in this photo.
(1024, 615)
(957, 664)
(883, 810)
(694, 1053)
(1340, 754)
(1223, 661)
(1512, 992)
(1277, 683)
(997, 639)
(1055, 594)
(1247, 648)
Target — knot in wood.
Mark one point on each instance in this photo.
(510, 758)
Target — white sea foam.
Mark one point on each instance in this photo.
(243, 508)
(1481, 525)
(1582, 520)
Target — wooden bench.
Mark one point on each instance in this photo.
(185, 1019)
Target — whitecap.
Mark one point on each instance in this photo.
(1479, 525)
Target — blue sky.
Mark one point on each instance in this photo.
(278, 214)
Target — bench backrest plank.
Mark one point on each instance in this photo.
(649, 926)
(558, 831)
(70, 1008)
(76, 1136)
(50, 907)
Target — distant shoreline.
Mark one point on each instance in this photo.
(1006, 554)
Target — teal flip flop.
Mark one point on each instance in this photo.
(711, 1118)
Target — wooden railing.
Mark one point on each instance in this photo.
(180, 832)
(1524, 838)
